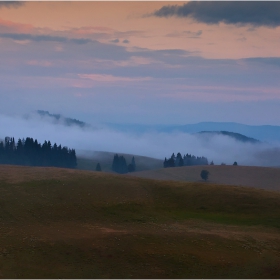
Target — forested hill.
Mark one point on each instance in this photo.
(29, 152)
(234, 135)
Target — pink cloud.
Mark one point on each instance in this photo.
(10, 26)
(88, 81)
(91, 30)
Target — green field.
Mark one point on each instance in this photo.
(62, 223)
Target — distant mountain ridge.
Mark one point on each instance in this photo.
(248, 133)
(234, 135)
(65, 120)
(261, 132)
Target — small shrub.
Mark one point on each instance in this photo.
(204, 174)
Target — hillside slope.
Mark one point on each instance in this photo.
(63, 223)
(87, 160)
(233, 135)
(251, 176)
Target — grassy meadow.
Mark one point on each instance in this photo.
(62, 223)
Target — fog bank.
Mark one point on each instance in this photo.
(218, 148)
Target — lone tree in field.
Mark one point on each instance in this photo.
(235, 163)
(204, 174)
(98, 167)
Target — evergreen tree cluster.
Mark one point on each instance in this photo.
(30, 152)
(119, 165)
(186, 160)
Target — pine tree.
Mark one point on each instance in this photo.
(165, 164)
(132, 166)
(122, 168)
(98, 167)
(115, 163)
(179, 160)
(30, 152)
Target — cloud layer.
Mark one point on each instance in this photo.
(43, 38)
(256, 13)
(11, 4)
(82, 60)
(158, 145)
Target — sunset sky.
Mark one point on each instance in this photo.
(142, 62)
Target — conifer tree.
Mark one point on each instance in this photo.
(29, 152)
(165, 164)
(119, 164)
(132, 166)
(98, 167)
(115, 163)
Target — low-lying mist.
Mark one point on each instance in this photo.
(219, 148)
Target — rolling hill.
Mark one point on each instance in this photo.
(87, 160)
(236, 136)
(63, 223)
(259, 177)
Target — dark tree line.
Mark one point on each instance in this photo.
(30, 152)
(119, 165)
(186, 160)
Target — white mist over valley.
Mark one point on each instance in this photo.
(97, 137)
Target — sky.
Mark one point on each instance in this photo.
(142, 62)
